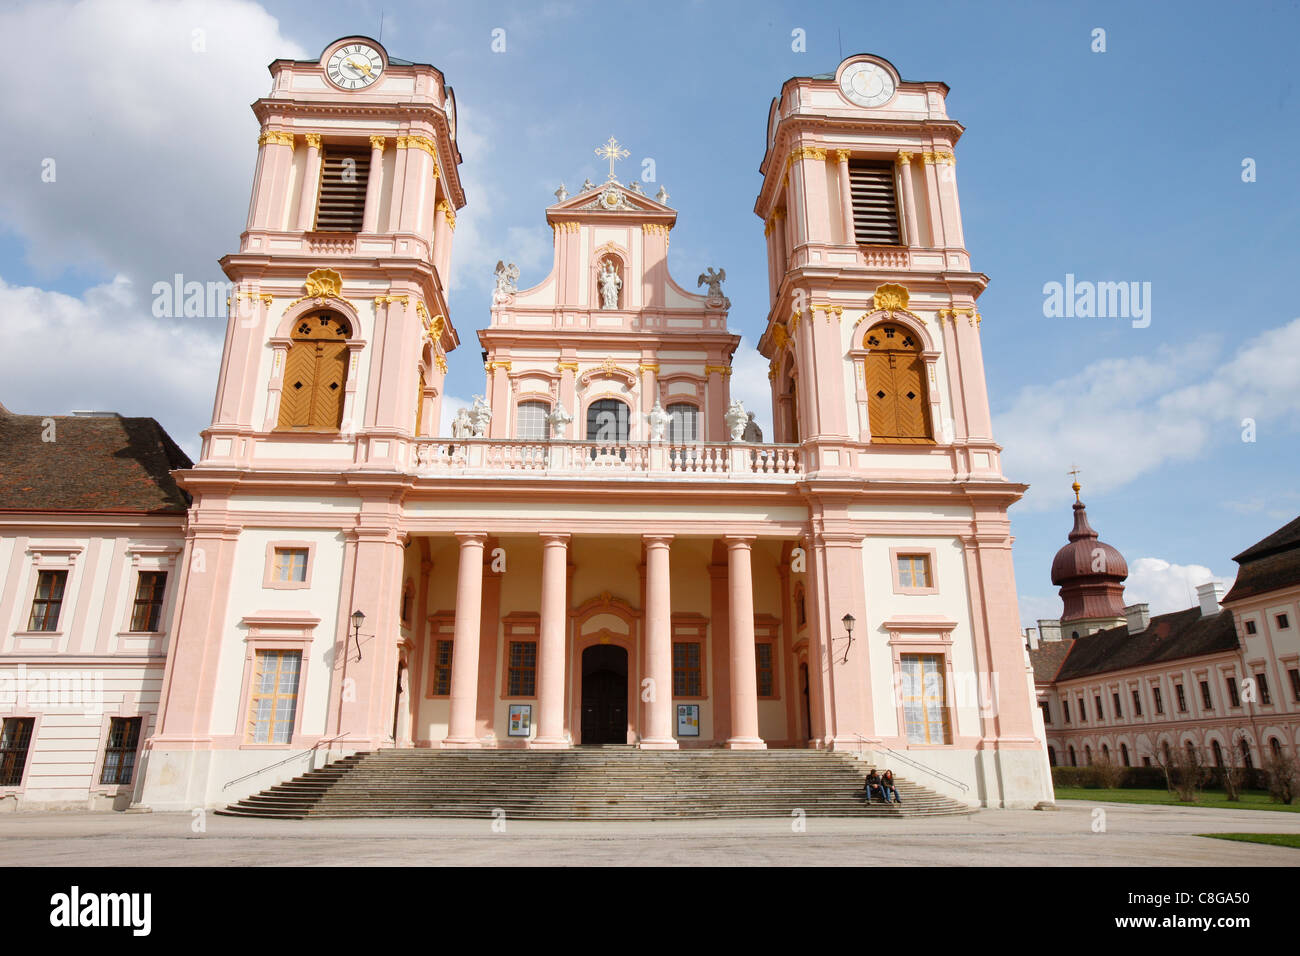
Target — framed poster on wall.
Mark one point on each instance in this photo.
(521, 719)
(688, 720)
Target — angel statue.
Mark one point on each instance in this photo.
(559, 420)
(714, 280)
(505, 276)
(479, 416)
(610, 284)
(658, 419)
(736, 418)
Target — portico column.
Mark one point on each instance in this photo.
(744, 667)
(370, 217)
(658, 733)
(310, 175)
(464, 649)
(551, 656)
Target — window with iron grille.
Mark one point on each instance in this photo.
(687, 679)
(530, 421)
(766, 669)
(875, 204)
(146, 614)
(119, 754)
(523, 669)
(47, 601)
(15, 739)
(442, 669)
(274, 699)
(342, 203)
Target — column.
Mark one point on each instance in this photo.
(464, 652)
(744, 668)
(658, 733)
(846, 197)
(310, 175)
(908, 199)
(370, 220)
(551, 644)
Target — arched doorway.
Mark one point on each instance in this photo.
(604, 695)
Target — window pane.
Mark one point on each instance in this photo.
(531, 423)
(275, 696)
(683, 423)
(47, 601)
(607, 420)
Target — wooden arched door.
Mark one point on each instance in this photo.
(897, 401)
(315, 374)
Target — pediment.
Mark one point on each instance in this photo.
(610, 197)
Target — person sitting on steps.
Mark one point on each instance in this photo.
(872, 786)
(887, 787)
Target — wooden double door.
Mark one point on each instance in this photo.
(604, 695)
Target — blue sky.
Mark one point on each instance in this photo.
(1123, 166)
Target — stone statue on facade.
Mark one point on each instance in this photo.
(479, 416)
(753, 433)
(587, 184)
(736, 418)
(559, 420)
(506, 275)
(561, 194)
(634, 186)
(658, 419)
(461, 426)
(714, 280)
(610, 284)
(662, 196)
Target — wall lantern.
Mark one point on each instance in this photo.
(358, 618)
(848, 621)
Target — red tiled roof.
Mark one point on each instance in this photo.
(94, 463)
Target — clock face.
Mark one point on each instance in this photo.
(354, 66)
(867, 84)
(451, 115)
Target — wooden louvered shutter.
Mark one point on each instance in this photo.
(875, 204)
(342, 203)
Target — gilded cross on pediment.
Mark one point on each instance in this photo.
(613, 152)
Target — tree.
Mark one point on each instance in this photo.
(1282, 778)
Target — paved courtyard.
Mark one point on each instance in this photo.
(1133, 836)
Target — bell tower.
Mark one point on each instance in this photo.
(873, 332)
(338, 326)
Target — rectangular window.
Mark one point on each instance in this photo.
(925, 707)
(119, 754)
(146, 614)
(1096, 700)
(291, 564)
(48, 601)
(342, 203)
(687, 674)
(1233, 697)
(1082, 711)
(913, 571)
(274, 697)
(523, 669)
(875, 204)
(531, 421)
(1294, 675)
(1182, 698)
(1206, 701)
(442, 668)
(1137, 704)
(1283, 622)
(1262, 682)
(1065, 710)
(1047, 711)
(15, 739)
(1118, 710)
(1159, 699)
(1250, 627)
(766, 669)
(683, 423)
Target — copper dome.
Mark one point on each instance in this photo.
(1079, 558)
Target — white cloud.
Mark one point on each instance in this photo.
(104, 351)
(1120, 419)
(152, 139)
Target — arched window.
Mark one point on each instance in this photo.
(315, 373)
(683, 423)
(1245, 754)
(531, 421)
(1105, 753)
(1051, 756)
(607, 421)
(1123, 753)
(1087, 754)
(1218, 753)
(894, 378)
(1276, 747)
(1073, 759)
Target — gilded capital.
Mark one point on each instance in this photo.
(842, 155)
(903, 157)
(313, 140)
(378, 142)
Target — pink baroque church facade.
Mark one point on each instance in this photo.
(603, 550)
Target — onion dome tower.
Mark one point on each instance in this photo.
(1090, 574)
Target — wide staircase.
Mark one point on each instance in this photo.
(588, 783)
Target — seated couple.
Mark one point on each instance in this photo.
(881, 786)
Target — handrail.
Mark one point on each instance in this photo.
(311, 749)
(918, 765)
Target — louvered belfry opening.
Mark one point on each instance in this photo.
(875, 204)
(342, 203)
